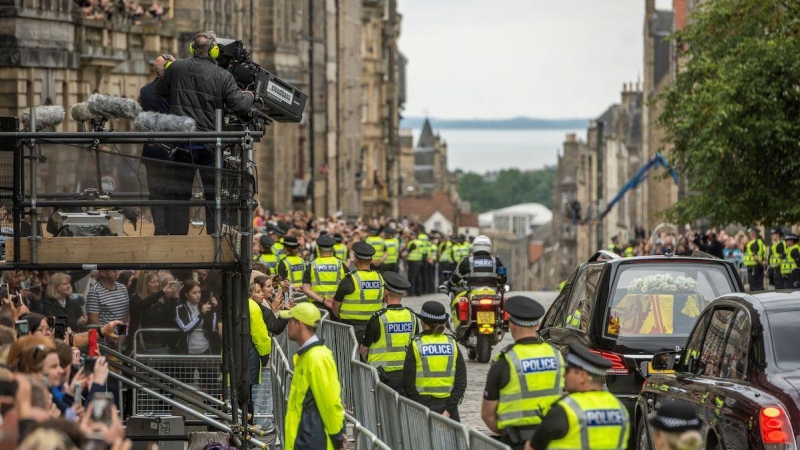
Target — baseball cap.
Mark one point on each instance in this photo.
(305, 312)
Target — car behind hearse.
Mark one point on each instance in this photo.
(740, 369)
(628, 309)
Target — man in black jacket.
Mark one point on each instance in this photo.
(196, 88)
(157, 172)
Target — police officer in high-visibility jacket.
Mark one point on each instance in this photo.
(323, 275)
(790, 267)
(276, 234)
(525, 379)
(340, 248)
(292, 266)
(314, 412)
(587, 418)
(414, 257)
(755, 253)
(360, 294)
(391, 257)
(266, 256)
(389, 332)
(434, 373)
(777, 252)
(376, 241)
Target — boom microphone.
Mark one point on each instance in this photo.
(46, 116)
(113, 107)
(153, 121)
(81, 113)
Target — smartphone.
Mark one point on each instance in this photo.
(88, 365)
(74, 296)
(22, 327)
(77, 395)
(121, 329)
(177, 285)
(60, 331)
(3, 291)
(101, 407)
(51, 322)
(8, 388)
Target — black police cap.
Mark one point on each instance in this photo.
(396, 282)
(433, 312)
(338, 237)
(791, 237)
(776, 231)
(325, 241)
(676, 417)
(524, 311)
(291, 242)
(581, 357)
(373, 229)
(363, 250)
(266, 241)
(275, 230)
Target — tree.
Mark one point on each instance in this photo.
(733, 113)
(510, 187)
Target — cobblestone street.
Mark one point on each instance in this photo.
(470, 408)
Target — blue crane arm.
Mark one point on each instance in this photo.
(638, 178)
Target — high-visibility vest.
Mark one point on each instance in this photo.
(436, 356)
(775, 255)
(397, 330)
(486, 268)
(574, 319)
(536, 381)
(597, 420)
(788, 265)
(377, 243)
(426, 244)
(270, 260)
(295, 266)
(458, 253)
(433, 251)
(629, 252)
(750, 257)
(416, 254)
(340, 251)
(366, 299)
(614, 248)
(277, 249)
(326, 273)
(446, 252)
(392, 250)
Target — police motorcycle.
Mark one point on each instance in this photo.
(480, 320)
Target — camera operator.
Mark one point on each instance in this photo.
(197, 87)
(157, 173)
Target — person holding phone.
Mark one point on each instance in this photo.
(60, 300)
(197, 321)
(149, 291)
(159, 315)
(39, 325)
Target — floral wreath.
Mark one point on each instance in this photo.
(662, 284)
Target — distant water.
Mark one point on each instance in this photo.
(490, 150)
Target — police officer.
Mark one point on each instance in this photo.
(480, 270)
(754, 257)
(389, 332)
(525, 379)
(292, 265)
(446, 260)
(434, 373)
(777, 252)
(676, 425)
(377, 243)
(340, 249)
(589, 417)
(360, 293)
(323, 275)
(791, 262)
(276, 234)
(614, 245)
(266, 256)
(392, 255)
(414, 260)
(629, 249)
(425, 241)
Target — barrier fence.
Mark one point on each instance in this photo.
(377, 416)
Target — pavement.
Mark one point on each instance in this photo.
(470, 408)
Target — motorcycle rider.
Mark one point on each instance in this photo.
(481, 269)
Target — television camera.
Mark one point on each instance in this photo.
(275, 99)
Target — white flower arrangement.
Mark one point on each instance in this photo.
(662, 284)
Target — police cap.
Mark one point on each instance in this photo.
(752, 229)
(291, 242)
(791, 237)
(362, 250)
(325, 241)
(524, 311)
(396, 282)
(776, 231)
(581, 357)
(338, 237)
(373, 229)
(275, 230)
(266, 241)
(433, 312)
(675, 417)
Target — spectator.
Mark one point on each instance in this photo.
(197, 320)
(60, 301)
(160, 314)
(107, 300)
(37, 325)
(148, 292)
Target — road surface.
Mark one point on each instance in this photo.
(470, 408)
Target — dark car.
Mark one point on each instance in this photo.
(740, 370)
(628, 309)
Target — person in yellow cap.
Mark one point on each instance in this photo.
(314, 413)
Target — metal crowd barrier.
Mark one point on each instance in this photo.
(480, 441)
(364, 439)
(341, 339)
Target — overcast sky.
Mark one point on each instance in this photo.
(506, 58)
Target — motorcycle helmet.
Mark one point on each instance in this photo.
(482, 244)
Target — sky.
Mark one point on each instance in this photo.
(505, 58)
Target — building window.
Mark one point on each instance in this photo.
(437, 225)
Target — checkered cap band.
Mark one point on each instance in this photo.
(524, 323)
(395, 290)
(424, 315)
(362, 256)
(673, 423)
(577, 361)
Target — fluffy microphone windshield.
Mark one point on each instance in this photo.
(114, 107)
(46, 116)
(81, 112)
(153, 121)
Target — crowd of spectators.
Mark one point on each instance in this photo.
(718, 243)
(127, 11)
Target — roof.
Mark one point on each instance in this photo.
(468, 220)
(541, 214)
(680, 11)
(779, 300)
(535, 251)
(426, 138)
(421, 208)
